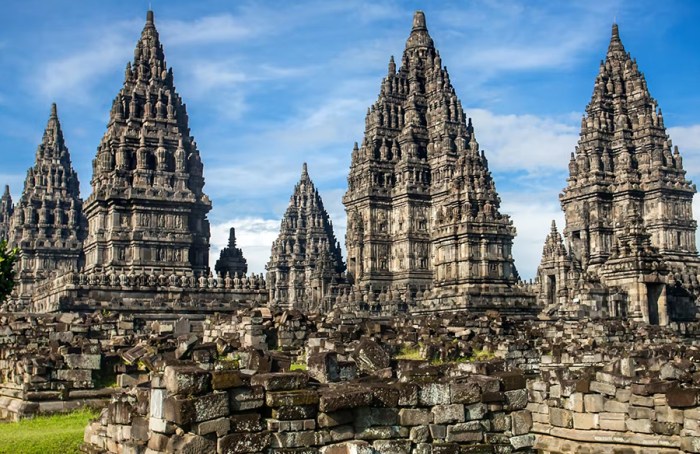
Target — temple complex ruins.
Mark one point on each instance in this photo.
(306, 265)
(629, 249)
(428, 343)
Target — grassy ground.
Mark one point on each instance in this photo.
(45, 434)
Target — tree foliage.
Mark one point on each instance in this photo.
(8, 257)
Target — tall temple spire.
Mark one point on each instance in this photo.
(615, 47)
(419, 187)
(5, 213)
(306, 257)
(624, 164)
(148, 176)
(419, 36)
(48, 223)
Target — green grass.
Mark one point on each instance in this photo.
(45, 434)
(297, 366)
(410, 353)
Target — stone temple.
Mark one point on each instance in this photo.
(629, 241)
(422, 207)
(306, 266)
(147, 211)
(231, 261)
(48, 225)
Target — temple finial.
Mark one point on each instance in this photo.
(149, 16)
(54, 111)
(304, 170)
(419, 21)
(615, 31)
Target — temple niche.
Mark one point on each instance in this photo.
(147, 211)
(231, 261)
(423, 213)
(306, 265)
(630, 234)
(47, 223)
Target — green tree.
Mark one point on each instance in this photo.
(8, 257)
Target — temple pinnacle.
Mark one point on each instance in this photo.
(419, 21)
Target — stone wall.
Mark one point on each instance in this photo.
(190, 409)
(53, 363)
(148, 293)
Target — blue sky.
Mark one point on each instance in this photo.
(270, 85)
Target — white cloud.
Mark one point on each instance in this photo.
(524, 142)
(532, 215)
(211, 29)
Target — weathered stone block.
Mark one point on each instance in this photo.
(593, 403)
(444, 414)
(465, 432)
(516, 399)
(392, 446)
(280, 381)
(475, 411)
(603, 388)
(415, 417)
(225, 379)
(291, 398)
(335, 418)
(586, 421)
(521, 422)
(186, 380)
(243, 442)
(370, 356)
(295, 412)
(246, 398)
(683, 397)
(190, 444)
(639, 425)
(431, 394)
(370, 416)
(344, 398)
(465, 393)
(561, 418)
(419, 434)
(83, 361)
(246, 422)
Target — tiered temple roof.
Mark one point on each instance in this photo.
(48, 224)
(421, 203)
(306, 259)
(148, 211)
(626, 161)
(627, 205)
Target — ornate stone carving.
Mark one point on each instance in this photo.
(421, 203)
(306, 262)
(48, 223)
(148, 169)
(627, 206)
